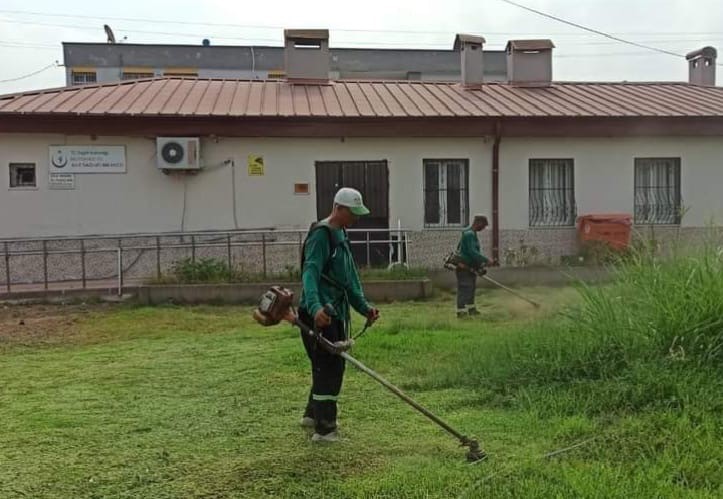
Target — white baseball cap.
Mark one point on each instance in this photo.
(352, 199)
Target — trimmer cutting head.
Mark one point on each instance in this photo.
(474, 452)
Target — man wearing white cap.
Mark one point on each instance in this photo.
(330, 276)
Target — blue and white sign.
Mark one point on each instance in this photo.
(87, 159)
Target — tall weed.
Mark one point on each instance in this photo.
(653, 337)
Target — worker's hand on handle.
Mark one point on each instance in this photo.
(322, 319)
(372, 315)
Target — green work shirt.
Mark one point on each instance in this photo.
(469, 250)
(318, 291)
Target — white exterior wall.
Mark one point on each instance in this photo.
(604, 174)
(146, 200)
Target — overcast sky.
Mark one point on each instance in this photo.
(29, 42)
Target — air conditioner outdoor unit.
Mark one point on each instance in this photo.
(178, 153)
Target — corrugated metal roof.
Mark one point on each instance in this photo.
(190, 97)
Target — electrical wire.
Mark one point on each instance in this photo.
(229, 162)
(7, 43)
(55, 64)
(350, 30)
(233, 192)
(252, 39)
(247, 39)
(185, 195)
(595, 31)
(10, 44)
(142, 32)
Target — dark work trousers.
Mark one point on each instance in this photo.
(466, 288)
(327, 374)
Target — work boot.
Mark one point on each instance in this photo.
(461, 314)
(329, 437)
(308, 422)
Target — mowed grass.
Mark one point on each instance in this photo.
(200, 402)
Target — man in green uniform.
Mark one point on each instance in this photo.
(471, 257)
(330, 276)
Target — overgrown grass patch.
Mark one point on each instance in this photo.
(174, 402)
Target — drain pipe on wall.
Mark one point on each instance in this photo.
(496, 194)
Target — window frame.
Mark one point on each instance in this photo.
(137, 75)
(568, 195)
(678, 186)
(85, 74)
(15, 165)
(441, 188)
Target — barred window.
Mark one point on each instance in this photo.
(84, 77)
(446, 195)
(22, 175)
(657, 191)
(552, 192)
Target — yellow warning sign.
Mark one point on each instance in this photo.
(256, 165)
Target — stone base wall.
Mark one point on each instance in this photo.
(427, 249)
(141, 258)
(517, 247)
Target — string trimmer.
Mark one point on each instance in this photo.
(453, 262)
(276, 305)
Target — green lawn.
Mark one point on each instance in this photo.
(200, 402)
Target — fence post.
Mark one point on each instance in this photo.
(7, 267)
(82, 262)
(193, 249)
(158, 257)
(228, 250)
(369, 251)
(263, 251)
(120, 270)
(45, 264)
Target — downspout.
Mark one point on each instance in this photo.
(496, 195)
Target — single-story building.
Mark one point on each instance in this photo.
(183, 154)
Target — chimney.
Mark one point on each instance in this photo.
(701, 66)
(470, 49)
(306, 55)
(529, 62)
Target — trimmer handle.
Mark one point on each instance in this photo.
(330, 310)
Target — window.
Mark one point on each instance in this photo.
(181, 72)
(22, 175)
(552, 192)
(136, 75)
(657, 191)
(84, 77)
(446, 198)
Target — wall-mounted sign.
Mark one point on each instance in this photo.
(61, 181)
(256, 165)
(87, 159)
